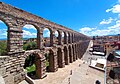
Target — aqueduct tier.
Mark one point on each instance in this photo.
(61, 54)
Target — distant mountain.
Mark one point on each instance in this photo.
(25, 38)
(114, 35)
(2, 39)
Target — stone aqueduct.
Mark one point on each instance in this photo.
(11, 66)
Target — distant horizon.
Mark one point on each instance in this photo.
(46, 37)
(6, 38)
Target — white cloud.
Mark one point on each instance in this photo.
(100, 32)
(46, 33)
(56, 33)
(93, 31)
(28, 34)
(114, 9)
(108, 10)
(86, 30)
(117, 25)
(118, 15)
(28, 26)
(1, 21)
(46, 29)
(106, 21)
(3, 33)
(62, 34)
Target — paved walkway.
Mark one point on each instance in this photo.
(81, 74)
(85, 75)
(59, 76)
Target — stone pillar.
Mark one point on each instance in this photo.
(72, 38)
(77, 37)
(52, 38)
(14, 42)
(74, 54)
(40, 66)
(69, 38)
(53, 65)
(77, 51)
(70, 54)
(62, 57)
(60, 54)
(59, 38)
(82, 49)
(65, 38)
(66, 56)
(39, 39)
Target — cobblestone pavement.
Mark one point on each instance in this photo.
(77, 72)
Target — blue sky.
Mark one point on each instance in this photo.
(90, 17)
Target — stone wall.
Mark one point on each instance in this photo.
(11, 69)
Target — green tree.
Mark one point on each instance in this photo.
(30, 46)
(3, 47)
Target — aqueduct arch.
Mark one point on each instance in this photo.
(73, 47)
(38, 61)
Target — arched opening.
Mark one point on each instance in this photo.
(46, 37)
(29, 37)
(30, 66)
(66, 57)
(33, 66)
(59, 54)
(63, 38)
(47, 61)
(56, 39)
(70, 54)
(3, 38)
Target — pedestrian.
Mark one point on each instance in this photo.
(97, 82)
(68, 80)
(70, 72)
